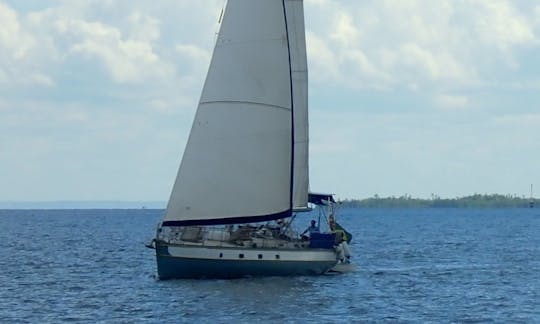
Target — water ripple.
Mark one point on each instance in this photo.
(433, 266)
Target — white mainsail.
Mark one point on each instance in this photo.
(237, 163)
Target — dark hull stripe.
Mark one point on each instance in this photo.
(184, 268)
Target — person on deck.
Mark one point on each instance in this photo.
(313, 228)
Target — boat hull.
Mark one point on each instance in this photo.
(176, 262)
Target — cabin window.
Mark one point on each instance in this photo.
(260, 256)
(277, 256)
(241, 255)
(221, 255)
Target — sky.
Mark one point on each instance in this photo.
(414, 97)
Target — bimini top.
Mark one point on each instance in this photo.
(321, 199)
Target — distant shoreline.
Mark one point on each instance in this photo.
(406, 201)
(472, 201)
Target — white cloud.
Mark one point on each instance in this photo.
(436, 44)
(18, 51)
(14, 41)
(500, 24)
(127, 60)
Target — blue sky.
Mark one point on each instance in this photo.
(406, 97)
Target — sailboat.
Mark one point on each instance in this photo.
(244, 174)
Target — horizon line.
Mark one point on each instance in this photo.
(377, 196)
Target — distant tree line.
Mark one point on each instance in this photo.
(472, 201)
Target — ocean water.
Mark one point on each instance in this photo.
(414, 265)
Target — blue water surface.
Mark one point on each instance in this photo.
(414, 265)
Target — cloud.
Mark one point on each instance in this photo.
(437, 44)
(18, 50)
(107, 52)
(500, 24)
(127, 60)
(14, 41)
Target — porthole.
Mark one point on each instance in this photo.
(260, 256)
(221, 255)
(277, 256)
(241, 255)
